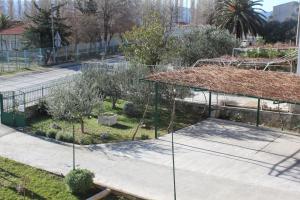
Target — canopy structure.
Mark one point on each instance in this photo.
(268, 85)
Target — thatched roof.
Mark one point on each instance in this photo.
(252, 83)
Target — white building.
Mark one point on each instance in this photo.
(285, 11)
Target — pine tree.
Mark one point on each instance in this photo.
(39, 33)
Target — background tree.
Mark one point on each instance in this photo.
(146, 44)
(39, 32)
(275, 31)
(240, 17)
(205, 42)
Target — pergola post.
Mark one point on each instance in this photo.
(209, 105)
(156, 115)
(258, 113)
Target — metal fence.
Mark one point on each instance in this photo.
(13, 60)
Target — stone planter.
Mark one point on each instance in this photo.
(108, 120)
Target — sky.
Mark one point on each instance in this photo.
(268, 4)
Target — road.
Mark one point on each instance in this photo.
(29, 80)
(214, 159)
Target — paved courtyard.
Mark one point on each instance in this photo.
(215, 160)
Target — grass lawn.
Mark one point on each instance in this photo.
(39, 184)
(122, 131)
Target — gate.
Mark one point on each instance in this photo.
(12, 107)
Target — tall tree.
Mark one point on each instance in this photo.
(39, 33)
(240, 17)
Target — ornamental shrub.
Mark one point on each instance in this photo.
(79, 181)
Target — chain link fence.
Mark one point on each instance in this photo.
(15, 60)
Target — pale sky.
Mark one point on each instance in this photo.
(268, 4)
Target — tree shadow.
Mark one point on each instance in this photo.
(121, 126)
(29, 194)
(229, 130)
(133, 149)
(291, 171)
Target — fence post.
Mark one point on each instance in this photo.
(156, 116)
(77, 53)
(14, 108)
(209, 105)
(66, 52)
(258, 113)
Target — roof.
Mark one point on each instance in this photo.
(15, 30)
(269, 85)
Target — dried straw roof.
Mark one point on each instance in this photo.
(252, 83)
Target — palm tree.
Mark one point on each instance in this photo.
(240, 17)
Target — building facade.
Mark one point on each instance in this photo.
(284, 12)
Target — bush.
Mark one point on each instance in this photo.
(130, 109)
(40, 133)
(86, 140)
(64, 137)
(51, 134)
(144, 137)
(79, 181)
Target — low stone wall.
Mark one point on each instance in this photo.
(285, 121)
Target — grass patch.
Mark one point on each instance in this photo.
(39, 184)
(95, 133)
(22, 70)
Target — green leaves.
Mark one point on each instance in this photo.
(146, 44)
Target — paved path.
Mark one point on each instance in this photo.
(215, 160)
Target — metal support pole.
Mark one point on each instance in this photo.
(73, 147)
(173, 163)
(1, 107)
(209, 105)
(156, 116)
(258, 113)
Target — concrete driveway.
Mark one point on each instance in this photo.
(215, 159)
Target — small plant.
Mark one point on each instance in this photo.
(64, 137)
(130, 110)
(145, 137)
(40, 133)
(79, 181)
(86, 140)
(51, 134)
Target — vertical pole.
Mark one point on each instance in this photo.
(24, 99)
(258, 113)
(209, 105)
(173, 163)
(156, 111)
(73, 147)
(1, 107)
(14, 108)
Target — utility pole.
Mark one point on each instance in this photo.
(298, 26)
(52, 28)
(297, 41)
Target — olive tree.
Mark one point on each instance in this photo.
(105, 82)
(72, 101)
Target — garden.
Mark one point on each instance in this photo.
(19, 181)
(104, 106)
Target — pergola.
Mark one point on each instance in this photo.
(267, 85)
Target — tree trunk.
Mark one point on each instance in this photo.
(114, 102)
(82, 125)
